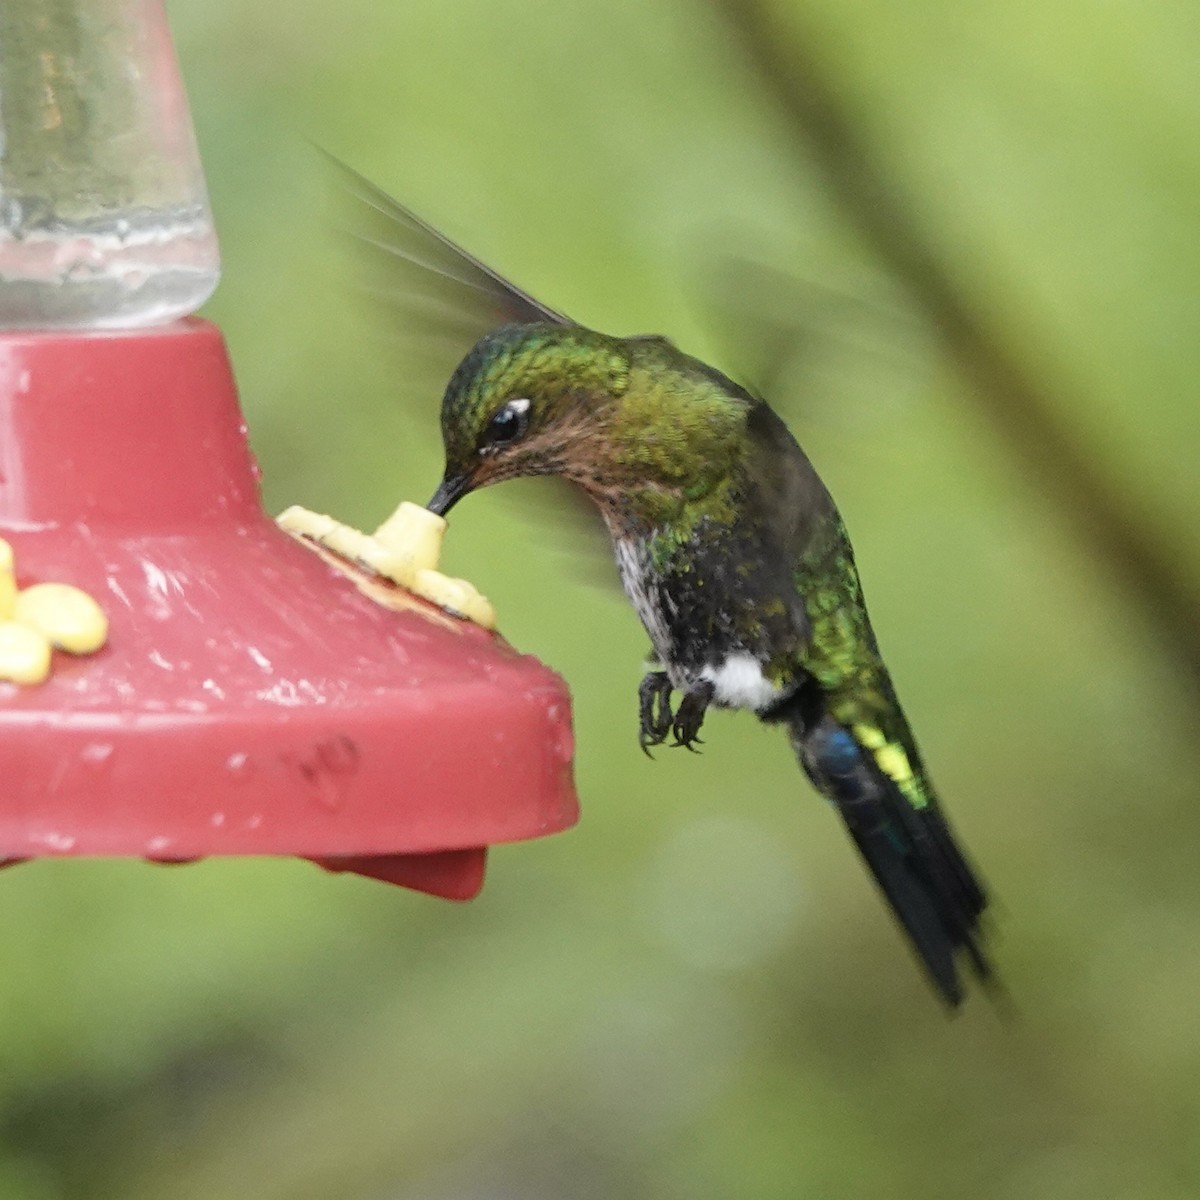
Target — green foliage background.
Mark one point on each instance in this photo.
(696, 993)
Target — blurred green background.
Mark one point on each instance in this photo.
(696, 993)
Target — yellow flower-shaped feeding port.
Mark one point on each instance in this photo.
(36, 620)
(404, 549)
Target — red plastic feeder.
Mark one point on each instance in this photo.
(250, 699)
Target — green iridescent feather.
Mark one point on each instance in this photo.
(843, 656)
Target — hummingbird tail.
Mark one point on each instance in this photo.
(910, 850)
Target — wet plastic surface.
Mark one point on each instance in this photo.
(250, 700)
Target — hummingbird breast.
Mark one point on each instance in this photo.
(714, 577)
(704, 627)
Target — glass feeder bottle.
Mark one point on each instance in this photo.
(104, 216)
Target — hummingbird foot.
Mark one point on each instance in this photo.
(654, 710)
(690, 716)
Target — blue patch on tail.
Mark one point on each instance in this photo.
(838, 753)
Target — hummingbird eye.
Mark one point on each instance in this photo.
(506, 424)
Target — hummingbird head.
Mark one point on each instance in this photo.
(529, 400)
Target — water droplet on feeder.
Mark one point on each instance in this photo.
(97, 756)
(241, 766)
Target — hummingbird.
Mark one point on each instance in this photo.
(729, 547)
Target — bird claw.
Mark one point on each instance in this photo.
(690, 716)
(657, 721)
(654, 710)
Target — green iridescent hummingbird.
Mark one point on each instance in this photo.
(729, 547)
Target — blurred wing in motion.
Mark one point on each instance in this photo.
(443, 298)
(782, 336)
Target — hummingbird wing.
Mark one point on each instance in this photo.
(425, 273)
(849, 730)
(839, 346)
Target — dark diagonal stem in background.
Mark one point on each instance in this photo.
(1019, 407)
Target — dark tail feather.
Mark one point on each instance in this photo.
(911, 852)
(937, 858)
(941, 922)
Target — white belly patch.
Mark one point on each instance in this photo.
(738, 682)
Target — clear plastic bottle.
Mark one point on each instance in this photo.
(104, 216)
